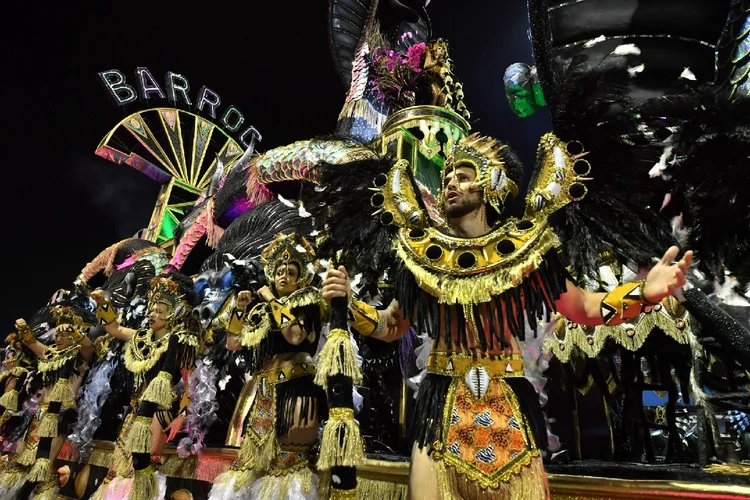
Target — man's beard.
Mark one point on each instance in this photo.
(463, 207)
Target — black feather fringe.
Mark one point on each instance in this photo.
(620, 211)
(341, 209)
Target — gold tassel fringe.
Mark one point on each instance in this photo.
(341, 444)
(11, 477)
(479, 288)
(530, 483)
(48, 427)
(48, 491)
(278, 486)
(337, 494)
(138, 439)
(40, 472)
(62, 392)
(371, 488)
(159, 391)
(337, 358)
(28, 455)
(9, 400)
(145, 484)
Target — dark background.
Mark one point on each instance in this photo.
(63, 204)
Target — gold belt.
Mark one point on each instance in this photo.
(287, 371)
(455, 364)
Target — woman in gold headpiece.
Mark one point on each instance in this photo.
(281, 330)
(157, 357)
(61, 366)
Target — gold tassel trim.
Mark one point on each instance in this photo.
(101, 458)
(304, 297)
(341, 444)
(53, 360)
(122, 461)
(529, 483)
(48, 427)
(337, 494)
(337, 358)
(277, 486)
(139, 437)
(479, 287)
(11, 477)
(134, 360)
(40, 472)
(252, 333)
(28, 455)
(159, 391)
(48, 491)
(62, 392)
(145, 484)
(9, 400)
(631, 335)
(372, 488)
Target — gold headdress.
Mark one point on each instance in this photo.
(290, 249)
(483, 154)
(166, 291)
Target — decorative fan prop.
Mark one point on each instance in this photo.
(179, 150)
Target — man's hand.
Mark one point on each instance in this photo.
(665, 277)
(336, 284)
(99, 297)
(395, 324)
(243, 299)
(174, 428)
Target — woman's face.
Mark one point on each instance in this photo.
(157, 316)
(63, 339)
(286, 279)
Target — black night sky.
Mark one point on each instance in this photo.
(63, 204)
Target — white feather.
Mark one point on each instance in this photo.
(687, 74)
(634, 70)
(594, 41)
(303, 212)
(627, 49)
(285, 201)
(658, 169)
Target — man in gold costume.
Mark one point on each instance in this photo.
(474, 284)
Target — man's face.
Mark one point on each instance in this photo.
(286, 279)
(157, 316)
(62, 336)
(458, 199)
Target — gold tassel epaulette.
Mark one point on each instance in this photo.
(473, 270)
(9, 400)
(186, 337)
(303, 297)
(52, 359)
(256, 326)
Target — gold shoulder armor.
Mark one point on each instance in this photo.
(560, 172)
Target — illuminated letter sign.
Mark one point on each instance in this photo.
(177, 94)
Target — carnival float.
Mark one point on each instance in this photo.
(203, 358)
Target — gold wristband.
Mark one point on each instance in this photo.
(364, 318)
(643, 294)
(105, 314)
(282, 316)
(26, 335)
(622, 304)
(234, 325)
